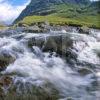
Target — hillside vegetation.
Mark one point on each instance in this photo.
(62, 14)
(89, 21)
(2, 27)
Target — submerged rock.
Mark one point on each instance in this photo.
(84, 71)
(27, 91)
(5, 82)
(69, 98)
(8, 32)
(6, 58)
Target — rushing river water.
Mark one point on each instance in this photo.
(76, 76)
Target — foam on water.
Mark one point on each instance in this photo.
(38, 67)
(52, 70)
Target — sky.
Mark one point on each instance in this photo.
(10, 9)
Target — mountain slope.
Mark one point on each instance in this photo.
(37, 6)
(71, 9)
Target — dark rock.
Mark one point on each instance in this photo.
(97, 51)
(5, 81)
(36, 42)
(45, 26)
(37, 27)
(6, 58)
(21, 25)
(58, 44)
(50, 45)
(69, 98)
(84, 30)
(84, 71)
(44, 92)
(3, 65)
(71, 57)
(8, 32)
(32, 29)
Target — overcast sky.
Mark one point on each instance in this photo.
(10, 9)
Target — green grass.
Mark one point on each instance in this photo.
(89, 21)
(2, 27)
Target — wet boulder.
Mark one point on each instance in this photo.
(8, 32)
(84, 71)
(5, 81)
(71, 56)
(44, 26)
(84, 30)
(58, 44)
(36, 42)
(97, 50)
(6, 58)
(21, 25)
(28, 91)
(32, 29)
(50, 45)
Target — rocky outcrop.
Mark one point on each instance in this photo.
(58, 44)
(32, 29)
(38, 27)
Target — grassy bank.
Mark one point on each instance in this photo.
(2, 27)
(90, 21)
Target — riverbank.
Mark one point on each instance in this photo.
(43, 27)
(88, 21)
(3, 27)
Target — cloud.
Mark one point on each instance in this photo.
(94, 0)
(8, 12)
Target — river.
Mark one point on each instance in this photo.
(72, 75)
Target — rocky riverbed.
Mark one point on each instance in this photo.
(52, 65)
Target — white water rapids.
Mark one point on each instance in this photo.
(37, 67)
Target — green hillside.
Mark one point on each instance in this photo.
(63, 14)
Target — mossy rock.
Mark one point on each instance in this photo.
(84, 30)
(36, 93)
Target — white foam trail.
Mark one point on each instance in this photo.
(53, 70)
(37, 67)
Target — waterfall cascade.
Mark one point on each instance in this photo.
(74, 73)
